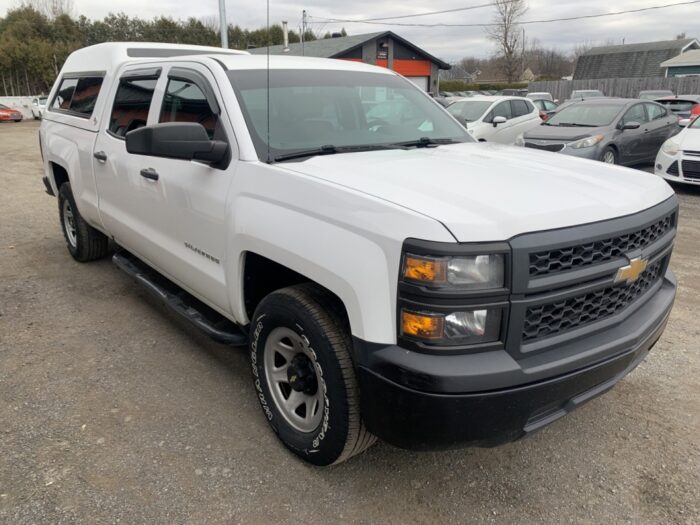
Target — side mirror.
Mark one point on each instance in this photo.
(631, 125)
(684, 122)
(499, 120)
(176, 140)
(556, 101)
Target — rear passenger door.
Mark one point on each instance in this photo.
(126, 208)
(660, 127)
(525, 117)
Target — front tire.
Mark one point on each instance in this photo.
(300, 349)
(609, 156)
(83, 241)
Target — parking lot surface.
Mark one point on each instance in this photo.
(113, 411)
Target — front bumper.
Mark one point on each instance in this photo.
(663, 168)
(489, 399)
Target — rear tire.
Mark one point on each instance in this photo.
(300, 349)
(84, 242)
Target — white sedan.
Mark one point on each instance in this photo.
(679, 158)
(496, 119)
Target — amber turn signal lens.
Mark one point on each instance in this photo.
(422, 326)
(424, 269)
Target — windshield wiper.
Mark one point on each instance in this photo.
(330, 149)
(574, 125)
(425, 142)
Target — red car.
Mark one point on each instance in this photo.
(9, 114)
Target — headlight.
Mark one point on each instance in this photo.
(587, 142)
(457, 328)
(471, 272)
(519, 140)
(670, 147)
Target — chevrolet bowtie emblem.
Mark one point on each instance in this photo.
(632, 271)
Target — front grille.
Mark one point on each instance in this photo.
(691, 153)
(545, 147)
(567, 314)
(691, 169)
(673, 169)
(580, 255)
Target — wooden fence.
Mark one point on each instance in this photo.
(618, 87)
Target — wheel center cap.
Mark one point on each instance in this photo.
(301, 375)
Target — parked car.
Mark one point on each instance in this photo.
(678, 159)
(616, 131)
(683, 106)
(585, 93)
(543, 95)
(496, 119)
(9, 114)
(398, 281)
(38, 107)
(652, 94)
(546, 107)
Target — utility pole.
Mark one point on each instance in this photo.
(303, 30)
(223, 24)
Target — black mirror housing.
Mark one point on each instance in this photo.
(176, 140)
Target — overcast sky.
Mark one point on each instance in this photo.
(447, 43)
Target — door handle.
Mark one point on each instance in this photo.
(100, 155)
(149, 173)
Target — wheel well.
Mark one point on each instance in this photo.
(60, 175)
(263, 276)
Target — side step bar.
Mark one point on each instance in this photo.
(182, 303)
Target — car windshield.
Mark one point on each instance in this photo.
(2, 106)
(590, 115)
(695, 124)
(469, 110)
(331, 109)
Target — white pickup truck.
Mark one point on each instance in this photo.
(390, 277)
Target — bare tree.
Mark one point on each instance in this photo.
(508, 36)
(51, 8)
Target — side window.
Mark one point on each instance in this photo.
(131, 105)
(64, 94)
(502, 110)
(549, 106)
(184, 101)
(656, 111)
(635, 114)
(85, 95)
(520, 108)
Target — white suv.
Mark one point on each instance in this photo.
(496, 119)
(389, 275)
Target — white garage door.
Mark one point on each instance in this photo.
(421, 82)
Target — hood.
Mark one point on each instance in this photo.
(563, 133)
(689, 139)
(491, 192)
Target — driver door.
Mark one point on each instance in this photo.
(633, 142)
(502, 133)
(191, 196)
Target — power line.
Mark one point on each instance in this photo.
(527, 22)
(427, 13)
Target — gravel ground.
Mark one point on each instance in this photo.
(113, 411)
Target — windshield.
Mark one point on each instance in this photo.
(2, 106)
(469, 110)
(591, 115)
(315, 108)
(695, 124)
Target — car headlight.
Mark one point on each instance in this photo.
(471, 272)
(671, 147)
(464, 327)
(519, 140)
(586, 142)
